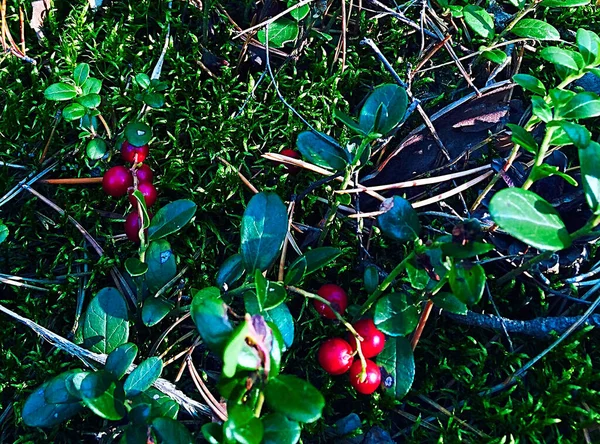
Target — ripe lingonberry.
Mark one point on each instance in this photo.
(144, 174)
(335, 356)
(336, 296)
(148, 191)
(116, 181)
(292, 169)
(373, 380)
(374, 339)
(128, 152)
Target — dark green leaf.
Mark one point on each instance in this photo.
(281, 31)
(81, 73)
(74, 111)
(280, 316)
(588, 43)
(106, 324)
(57, 390)
(578, 134)
(535, 29)
(321, 150)
(142, 80)
(348, 121)
(545, 170)
(467, 282)
(398, 364)
(530, 83)
(135, 434)
(90, 100)
(120, 359)
(371, 278)
(564, 3)
(170, 431)
(154, 310)
(230, 272)
(103, 395)
(294, 398)
(541, 109)
(161, 404)
(210, 316)
(162, 266)
(417, 276)
(583, 106)
(213, 433)
(311, 261)
(37, 412)
(400, 220)
(135, 267)
(296, 272)
(562, 57)
(3, 232)
(95, 149)
(299, 13)
(138, 133)
(171, 218)
(277, 348)
(526, 216)
(242, 426)
(522, 137)
(280, 430)
(449, 302)
(60, 91)
(589, 159)
(395, 100)
(470, 249)
(264, 227)
(394, 316)
(154, 100)
(143, 376)
(479, 20)
(91, 86)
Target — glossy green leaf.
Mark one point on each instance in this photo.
(564, 3)
(521, 136)
(588, 43)
(95, 149)
(470, 249)
(3, 232)
(171, 218)
(74, 111)
(311, 261)
(400, 220)
(276, 352)
(142, 80)
(37, 412)
(161, 404)
(103, 395)
(562, 57)
(91, 86)
(583, 106)
(264, 227)
(233, 348)
(280, 32)
(106, 323)
(589, 159)
(89, 101)
(530, 83)
(135, 267)
(479, 20)
(155, 310)
(348, 121)
(578, 134)
(541, 109)
(280, 430)
(138, 133)
(60, 91)
(394, 316)
(230, 272)
(417, 276)
(154, 100)
(495, 55)
(120, 359)
(280, 316)
(322, 150)
(57, 390)
(450, 303)
(242, 426)
(298, 13)
(210, 316)
(143, 376)
(467, 282)
(141, 205)
(371, 278)
(162, 266)
(294, 398)
(398, 367)
(395, 101)
(544, 170)
(213, 433)
(81, 73)
(170, 431)
(528, 217)
(535, 29)
(135, 434)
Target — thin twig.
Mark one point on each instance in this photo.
(272, 19)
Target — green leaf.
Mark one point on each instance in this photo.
(588, 43)
(521, 136)
(154, 310)
(60, 91)
(495, 55)
(141, 204)
(535, 29)
(135, 267)
(280, 430)
(398, 364)
(299, 13)
(73, 383)
(142, 80)
(582, 106)
(450, 303)
(154, 100)
(578, 134)
(233, 348)
(135, 434)
(81, 73)
(91, 86)
(590, 174)
(103, 395)
(526, 216)
(322, 150)
(143, 376)
(294, 398)
(541, 109)
(170, 431)
(395, 100)
(479, 20)
(564, 3)
(562, 57)
(311, 261)
(417, 276)
(467, 282)
(96, 149)
(89, 101)
(348, 121)
(394, 316)
(120, 359)
(213, 433)
(470, 249)
(37, 412)
(106, 323)
(280, 316)
(371, 278)
(161, 404)
(400, 220)
(74, 111)
(171, 218)
(3, 232)
(277, 348)
(138, 133)
(281, 31)
(242, 426)
(210, 316)
(230, 272)
(530, 83)
(545, 170)
(264, 227)
(57, 391)
(162, 266)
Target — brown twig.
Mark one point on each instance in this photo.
(73, 181)
(204, 392)
(421, 325)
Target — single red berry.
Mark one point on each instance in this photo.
(292, 169)
(144, 174)
(374, 339)
(128, 152)
(335, 356)
(373, 380)
(133, 225)
(116, 181)
(336, 296)
(148, 191)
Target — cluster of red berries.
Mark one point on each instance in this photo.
(336, 355)
(119, 181)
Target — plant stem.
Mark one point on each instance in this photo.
(72, 181)
(541, 154)
(333, 210)
(422, 321)
(259, 404)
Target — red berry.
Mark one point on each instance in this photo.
(133, 225)
(336, 296)
(128, 152)
(148, 191)
(292, 169)
(374, 339)
(144, 174)
(373, 380)
(116, 181)
(335, 356)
